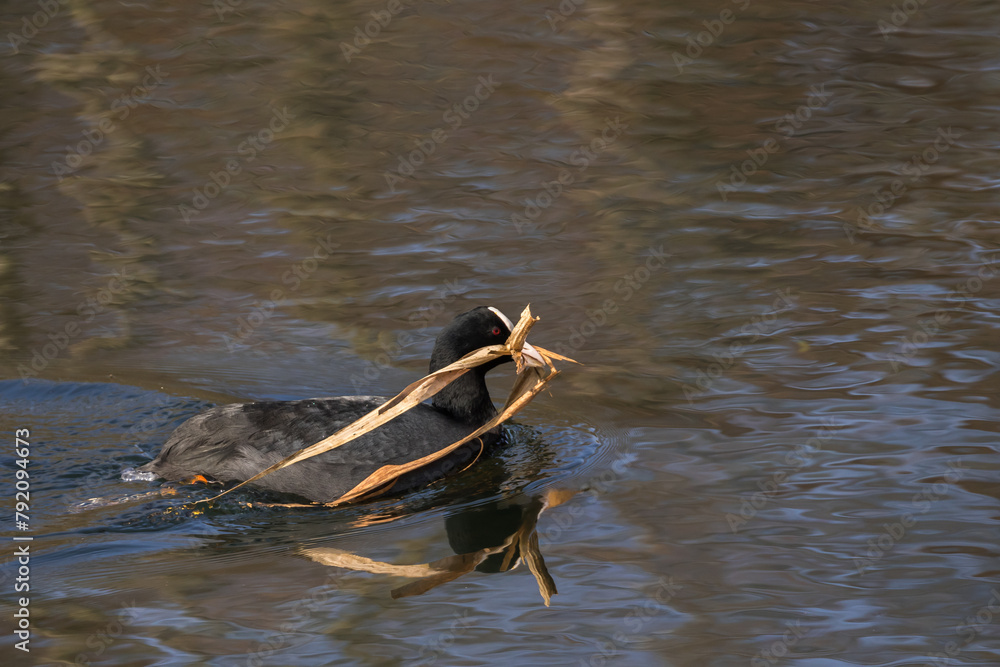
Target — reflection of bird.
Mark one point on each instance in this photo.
(491, 527)
(235, 442)
(490, 538)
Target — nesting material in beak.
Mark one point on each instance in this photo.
(526, 387)
(531, 356)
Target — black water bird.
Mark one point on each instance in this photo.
(235, 442)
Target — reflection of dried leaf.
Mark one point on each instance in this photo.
(456, 567)
(349, 561)
(508, 557)
(532, 555)
(526, 387)
(556, 497)
(522, 542)
(428, 575)
(527, 542)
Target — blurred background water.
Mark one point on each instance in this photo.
(767, 229)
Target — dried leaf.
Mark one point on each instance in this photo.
(552, 355)
(389, 473)
(518, 335)
(525, 388)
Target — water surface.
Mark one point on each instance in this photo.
(768, 231)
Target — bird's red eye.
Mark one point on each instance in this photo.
(496, 331)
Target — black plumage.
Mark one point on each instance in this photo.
(235, 442)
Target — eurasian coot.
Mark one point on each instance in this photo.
(235, 442)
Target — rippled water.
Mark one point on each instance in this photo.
(768, 230)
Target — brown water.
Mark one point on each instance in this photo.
(769, 230)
